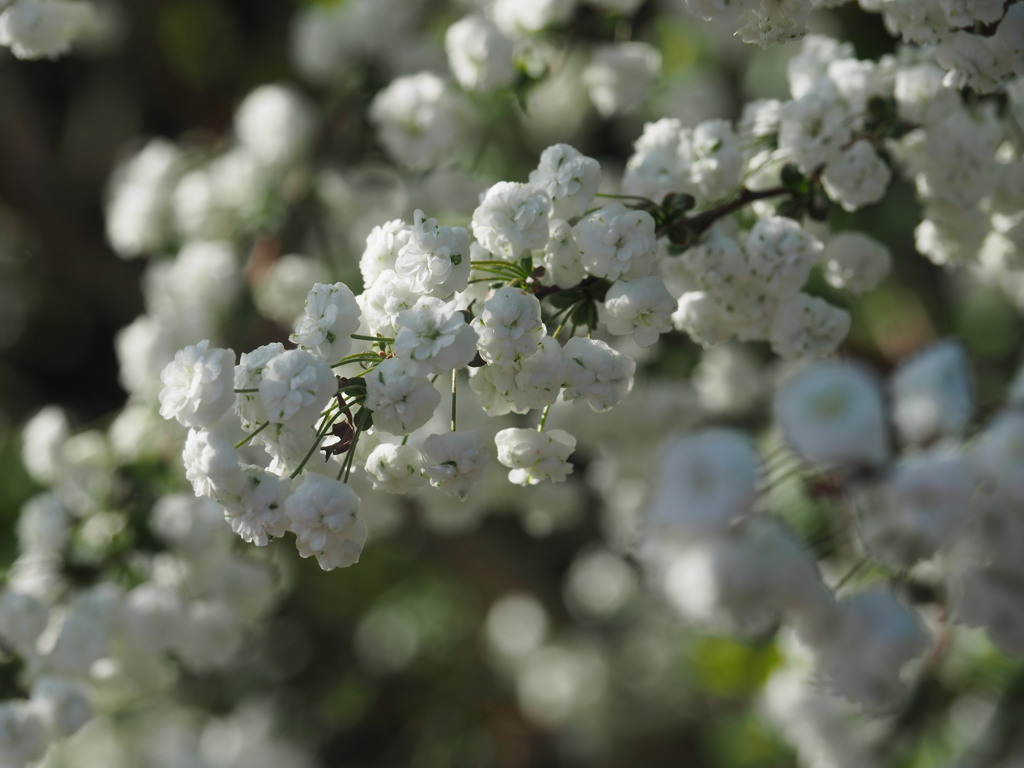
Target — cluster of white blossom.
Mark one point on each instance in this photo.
(96, 621)
(37, 29)
(920, 500)
(978, 44)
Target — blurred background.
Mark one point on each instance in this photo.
(517, 634)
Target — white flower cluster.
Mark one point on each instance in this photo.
(37, 29)
(81, 640)
(711, 543)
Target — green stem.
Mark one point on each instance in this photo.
(362, 337)
(362, 357)
(320, 434)
(246, 391)
(350, 458)
(544, 417)
(455, 374)
(251, 435)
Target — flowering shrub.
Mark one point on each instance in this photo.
(501, 312)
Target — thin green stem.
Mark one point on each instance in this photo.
(362, 357)
(350, 459)
(455, 374)
(854, 570)
(362, 337)
(544, 417)
(251, 435)
(246, 391)
(320, 435)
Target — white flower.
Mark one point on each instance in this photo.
(642, 307)
(434, 337)
(23, 736)
(330, 317)
(561, 257)
(703, 483)
(382, 301)
(453, 461)
(62, 703)
(537, 379)
(998, 455)
(295, 387)
(932, 393)
(322, 515)
(814, 128)
(44, 525)
(401, 400)
(257, 511)
(832, 413)
(620, 76)
(42, 443)
(596, 373)
(856, 262)
(876, 635)
(382, 247)
(435, 261)
(248, 371)
(570, 178)
(616, 242)
(36, 29)
(279, 292)
(211, 463)
(395, 468)
(198, 385)
(807, 326)
(857, 176)
(509, 326)
(522, 17)
(138, 212)
(479, 55)
(418, 119)
(922, 500)
(703, 318)
(535, 456)
(512, 218)
(276, 123)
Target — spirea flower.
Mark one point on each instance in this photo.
(395, 468)
(932, 393)
(330, 317)
(832, 413)
(855, 261)
(382, 247)
(198, 385)
(596, 373)
(295, 387)
(211, 463)
(435, 261)
(322, 515)
(512, 218)
(703, 483)
(257, 511)
(616, 242)
(453, 461)
(509, 326)
(570, 178)
(248, 372)
(434, 336)
(641, 307)
(535, 456)
(479, 54)
(401, 400)
(37, 29)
